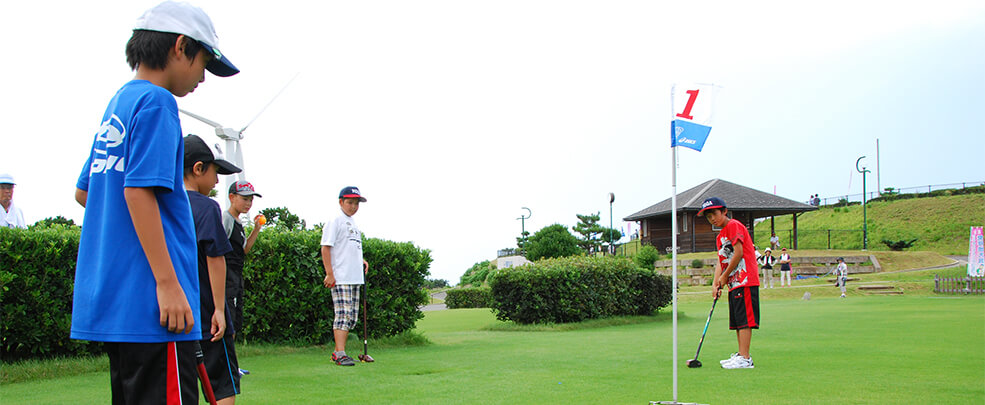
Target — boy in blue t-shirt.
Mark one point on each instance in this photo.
(136, 276)
(202, 170)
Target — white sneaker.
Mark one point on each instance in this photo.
(730, 358)
(739, 362)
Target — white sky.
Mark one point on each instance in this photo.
(452, 115)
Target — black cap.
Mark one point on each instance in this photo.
(197, 151)
(713, 202)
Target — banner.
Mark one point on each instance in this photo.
(693, 105)
(976, 253)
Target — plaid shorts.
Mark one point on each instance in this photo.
(346, 300)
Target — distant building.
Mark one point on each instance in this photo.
(506, 258)
(695, 234)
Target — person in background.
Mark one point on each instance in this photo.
(12, 216)
(785, 267)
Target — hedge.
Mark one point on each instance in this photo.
(574, 289)
(37, 274)
(284, 299)
(469, 297)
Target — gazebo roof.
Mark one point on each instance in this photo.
(737, 198)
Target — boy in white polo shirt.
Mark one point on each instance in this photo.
(342, 256)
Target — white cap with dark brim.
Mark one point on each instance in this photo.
(185, 19)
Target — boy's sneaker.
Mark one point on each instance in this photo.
(730, 358)
(739, 362)
(243, 372)
(343, 360)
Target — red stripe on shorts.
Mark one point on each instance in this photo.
(750, 314)
(173, 385)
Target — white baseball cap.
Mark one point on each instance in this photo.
(185, 19)
(6, 178)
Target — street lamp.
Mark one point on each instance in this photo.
(612, 198)
(523, 225)
(865, 226)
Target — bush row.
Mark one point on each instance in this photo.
(469, 297)
(37, 273)
(574, 289)
(285, 300)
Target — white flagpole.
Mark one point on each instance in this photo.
(673, 233)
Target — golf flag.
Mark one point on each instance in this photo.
(691, 122)
(976, 253)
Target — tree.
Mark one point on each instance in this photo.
(550, 242)
(588, 228)
(611, 234)
(50, 221)
(282, 217)
(521, 241)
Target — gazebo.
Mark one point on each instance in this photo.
(696, 234)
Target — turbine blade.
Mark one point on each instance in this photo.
(201, 118)
(271, 102)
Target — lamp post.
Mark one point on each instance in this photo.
(612, 198)
(523, 225)
(865, 226)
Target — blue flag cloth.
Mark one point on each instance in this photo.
(688, 134)
(693, 105)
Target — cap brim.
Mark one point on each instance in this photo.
(219, 65)
(249, 193)
(361, 198)
(225, 167)
(700, 213)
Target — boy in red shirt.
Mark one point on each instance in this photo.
(740, 275)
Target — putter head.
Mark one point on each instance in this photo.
(365, 358)
(693, 363)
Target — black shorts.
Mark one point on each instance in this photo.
(153, 373)
(743, 304)
(222, 366)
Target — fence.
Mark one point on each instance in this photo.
(907, 190)
(963, 285)
(845, 239)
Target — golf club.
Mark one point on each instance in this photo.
(694, 363)
(203, 375)
(365, 357)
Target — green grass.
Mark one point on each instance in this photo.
(916, 348)
(940, 224)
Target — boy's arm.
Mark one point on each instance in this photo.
(81, 196)
(326, 260)
(716, 287)
(217, 277)
(176, 313)
(253, 236)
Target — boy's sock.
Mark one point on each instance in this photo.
(339, 354)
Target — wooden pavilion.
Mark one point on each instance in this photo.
(695, 234)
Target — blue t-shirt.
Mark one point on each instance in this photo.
(212, 242)
(139, 144)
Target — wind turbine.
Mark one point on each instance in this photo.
(234, 150)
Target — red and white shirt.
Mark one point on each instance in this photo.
(746, 273)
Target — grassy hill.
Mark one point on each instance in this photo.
(940, 224)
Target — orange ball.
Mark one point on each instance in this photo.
(260, 219)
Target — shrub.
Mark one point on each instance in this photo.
(472, 297)
(36, 280)
(574, 289)
(898, 245)
(697, 263)
(284, 300)
(647, 256)
(477, 274)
